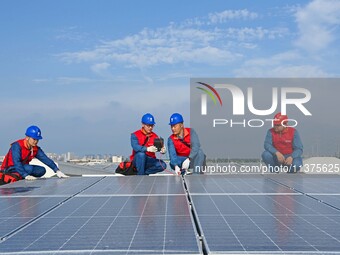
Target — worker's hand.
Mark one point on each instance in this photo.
(186, 164)
(30, 178)
(151, 148)
(177, 170)
(163, 150)
(280, 157)
(60, 174)
(288, 161)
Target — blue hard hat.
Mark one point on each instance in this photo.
(148, 119)
(33, 132)
(176, 118)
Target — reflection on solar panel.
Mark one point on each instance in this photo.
(209, 214)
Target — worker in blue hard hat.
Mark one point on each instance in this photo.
(184, 147)
(144, 149)
(23, 151)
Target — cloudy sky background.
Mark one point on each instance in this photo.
(86, 71)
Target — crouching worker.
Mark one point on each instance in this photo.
(283, 147)
(143, 149)
(16, 162)
(184, 147)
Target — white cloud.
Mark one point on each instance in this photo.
(284, 64)
(70, 80)
(172, 45)
(317, 23)
(281, 71)
(248, 45)
(222, 17)
(258, 33)
(101, 68)
(298, 71)
(274, 60)
(71, 33)
(168, 45)
(216, 18)
(204, 40)
(41, 80)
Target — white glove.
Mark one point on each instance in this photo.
(30, 178)
(163, 150)
(186, 164)
(60, 174)
(177, 170)
(152, 148)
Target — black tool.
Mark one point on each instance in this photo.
(158, 143)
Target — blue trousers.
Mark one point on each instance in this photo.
(147, 165)
(36, 171)
(271, 161)
(198, 160)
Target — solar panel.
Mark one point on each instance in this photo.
(48, 187)
(263, 222)
(15, 212)
(137, 185)
(209, 214)
(113, 223)
(128, 216)
(212, 184)
(310, 183)
(329, 199)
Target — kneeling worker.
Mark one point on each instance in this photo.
(283, 146)
(143, 148)
(23, 151)
(184, 147)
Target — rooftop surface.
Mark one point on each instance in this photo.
(197, 214)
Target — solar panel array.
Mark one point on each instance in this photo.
(200, 214)
(267, 214)
(130, 215)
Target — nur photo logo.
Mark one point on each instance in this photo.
(281, 97)
(250, 102)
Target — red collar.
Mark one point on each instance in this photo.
(185, 133)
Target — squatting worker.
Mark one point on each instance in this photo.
(143, 149)
(283, 146)
(23, 151)
(184, 147)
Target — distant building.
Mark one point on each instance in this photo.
(117, 159)
(53, 156)
(69, 156)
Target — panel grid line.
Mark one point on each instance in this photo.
(276, 218)
(226, 222)
(310, 195)
(13, 232)
(166, 217)
(253, 222)
(56, 225)
(140, 218)
(323, 215)
(113, 221)
(84, 224)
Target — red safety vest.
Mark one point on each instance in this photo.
(26, 155)
(182, 146)
(283, 141)
(144, 140)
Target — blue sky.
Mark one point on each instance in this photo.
(86, 71)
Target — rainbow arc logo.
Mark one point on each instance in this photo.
(212, 93)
